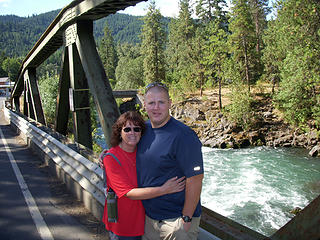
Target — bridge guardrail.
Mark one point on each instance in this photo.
(73, 168)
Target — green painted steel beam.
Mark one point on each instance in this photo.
(79, 99)
(63, 109)
(35, 102)
(27, 110)
(16, 101)
(97, 80)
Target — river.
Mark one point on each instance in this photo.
(258, 187)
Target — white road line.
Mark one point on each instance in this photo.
(33, 208)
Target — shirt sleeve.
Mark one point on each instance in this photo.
(117, 177)
(189, 153)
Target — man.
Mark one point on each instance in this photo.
(168, 149)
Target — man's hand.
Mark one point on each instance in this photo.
(186, 226)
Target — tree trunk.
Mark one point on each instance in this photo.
(273, 84)
(246, 62)
(201, 80)
(220, 102)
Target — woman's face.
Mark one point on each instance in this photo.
(130, 134)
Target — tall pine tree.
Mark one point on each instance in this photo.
(153, 44)
(108, 54)
(209, 10)
(259, 11)
(242, 41)
(215, 29)
(179, 50)
(216, 56)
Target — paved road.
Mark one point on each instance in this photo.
(27, 209)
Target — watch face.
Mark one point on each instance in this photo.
(186, 218)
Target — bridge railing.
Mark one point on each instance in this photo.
(82, 176)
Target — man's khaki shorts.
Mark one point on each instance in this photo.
(170, 229)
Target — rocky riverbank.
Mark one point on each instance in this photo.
(269, 129)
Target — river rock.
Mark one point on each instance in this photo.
(315, 151)
(256, 138)
(300, 140)
(284, 140)
(296, 210)
(313, 137)
(177, 113)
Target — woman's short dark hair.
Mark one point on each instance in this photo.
(130, 116)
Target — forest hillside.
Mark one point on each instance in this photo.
(19, 34)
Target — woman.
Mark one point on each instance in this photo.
(122, 178)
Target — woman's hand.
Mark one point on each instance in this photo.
(173, 185)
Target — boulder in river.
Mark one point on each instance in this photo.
(315, 151)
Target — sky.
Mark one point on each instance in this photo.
(25, 8)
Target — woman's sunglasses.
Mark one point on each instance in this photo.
(128, 129)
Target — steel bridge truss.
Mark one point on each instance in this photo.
(82, 70)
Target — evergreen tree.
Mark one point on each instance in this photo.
(153, 44)
(259, 11)
(180, 50)
(108, 54)
(298, 49)
(216, 56)
(242, 41)
(240, 67)
(198, 46)
(172, 53)
(48, 89)
(215, 27)
(209, 10)
(271, 55)
(129, 72)
(240, 110)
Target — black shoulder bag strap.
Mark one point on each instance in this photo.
(104, 170)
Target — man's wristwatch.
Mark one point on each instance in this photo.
(186, 218)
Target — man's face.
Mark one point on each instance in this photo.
(157, 104)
